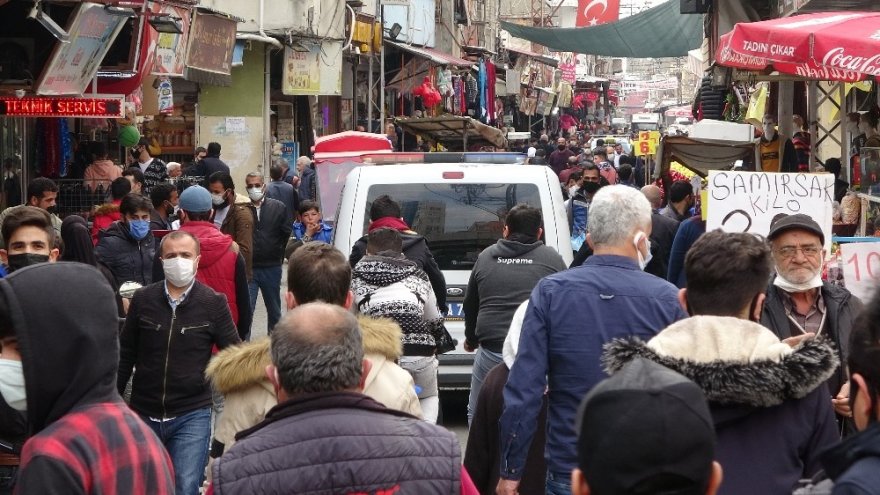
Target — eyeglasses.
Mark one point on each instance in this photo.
(791, 251)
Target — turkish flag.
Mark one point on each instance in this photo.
(595, 12)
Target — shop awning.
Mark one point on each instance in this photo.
(454, 133)
(544, 59)
(657, 32)
(431, 54)
(829, 45)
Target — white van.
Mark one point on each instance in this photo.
(459, 208)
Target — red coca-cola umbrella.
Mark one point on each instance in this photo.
(828, 45)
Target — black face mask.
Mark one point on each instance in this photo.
(169, 209)
(21, 260)
(51, 210)
(135, 153)
(561, 147)
(591, 187)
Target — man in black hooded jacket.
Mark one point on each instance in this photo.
(385, 212)
(59, 363)
(502, 278)
(768, 398)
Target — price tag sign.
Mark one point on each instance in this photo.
(644, 136)
(861, 268)
(644, 147)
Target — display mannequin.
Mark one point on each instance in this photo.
(777, 151)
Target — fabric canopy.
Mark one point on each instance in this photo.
(702, 155)
(829, 45)
(661, 31)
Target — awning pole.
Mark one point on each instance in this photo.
(465, 130)
(382, 69)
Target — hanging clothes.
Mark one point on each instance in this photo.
(490, 91)
(481, 75)
(471, 89)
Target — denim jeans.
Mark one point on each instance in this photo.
(268, 280)
(558, 483)
(186, 438)
(484, 361)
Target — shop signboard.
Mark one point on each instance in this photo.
(568, 66)
(165, 94)
(211, 43)
(302, 71)
(73, 65)
(171, 47)
(96, 107)
(290, 153)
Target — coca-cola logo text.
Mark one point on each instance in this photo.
(837, 57)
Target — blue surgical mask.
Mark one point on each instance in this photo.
(139, 228)
(12, 384)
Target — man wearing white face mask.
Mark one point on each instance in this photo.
(169, 334)
(777, 151)
(271, 232)
(571, 315)
(799, 302)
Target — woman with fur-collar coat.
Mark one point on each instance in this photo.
(771, 407)
(239, 373)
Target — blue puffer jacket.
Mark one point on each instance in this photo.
(323, 235)
(130, 260)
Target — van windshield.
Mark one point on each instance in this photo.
(458, 220)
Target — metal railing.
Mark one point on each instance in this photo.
(75, 198)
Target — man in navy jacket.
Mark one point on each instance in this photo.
(571, 315)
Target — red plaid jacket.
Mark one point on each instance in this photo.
(97, 449)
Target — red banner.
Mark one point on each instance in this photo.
(595, 12)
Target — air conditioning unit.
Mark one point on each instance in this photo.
(695, 6)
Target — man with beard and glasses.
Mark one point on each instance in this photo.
(799, 302)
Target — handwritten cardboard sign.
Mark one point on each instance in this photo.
(861, 268)
(748, 201)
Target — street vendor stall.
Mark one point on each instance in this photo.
(702, 155)
(454, 133)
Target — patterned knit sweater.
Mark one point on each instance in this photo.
(397, 288)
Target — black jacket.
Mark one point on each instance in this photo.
(770, 406)
(207, 166)
(663, 231)
(171, 349)
(416, 249)
(354, 444)
(502, 278)
(841, 308)
(130, 260)
(854, 465)
(308, 185)
(271, 233)
(482, 459)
